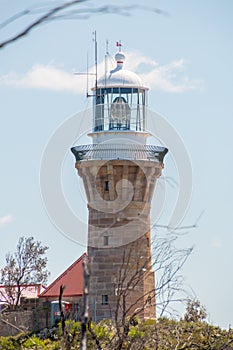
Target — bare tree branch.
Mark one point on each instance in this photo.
(24, 267)
(62, 288)
(86, 275)
(39, 21)
(63, 12)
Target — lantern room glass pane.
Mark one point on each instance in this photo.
(119, 109)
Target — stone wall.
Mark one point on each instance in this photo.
(34, 315)
(14, 322)
(119, 194)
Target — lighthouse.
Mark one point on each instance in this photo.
(119, 170)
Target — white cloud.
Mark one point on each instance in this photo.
(169, 77)
(135, 59)
(48, 78)
(6, 219)
(216, 243)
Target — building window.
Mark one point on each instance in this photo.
(105, 299)
(105, 240)
(106, 185)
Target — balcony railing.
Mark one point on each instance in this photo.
(119, 152)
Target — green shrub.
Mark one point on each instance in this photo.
(34, 343)
(6, 343)
(149, 322)
(135, 333)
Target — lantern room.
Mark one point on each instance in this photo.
(120, 101)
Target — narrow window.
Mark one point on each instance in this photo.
(106, 185)
(105, 299)
(105, 240)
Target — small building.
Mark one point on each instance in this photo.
(29, 315)
(72, 280)
(30, 292)
(39, 306)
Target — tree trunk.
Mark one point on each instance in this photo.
(86, 275)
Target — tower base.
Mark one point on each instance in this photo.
(122, 282)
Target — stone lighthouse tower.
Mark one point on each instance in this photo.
(119, 171)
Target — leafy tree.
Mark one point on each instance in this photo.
(24, 267)
(195, 311)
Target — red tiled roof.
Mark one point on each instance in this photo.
(72, 278)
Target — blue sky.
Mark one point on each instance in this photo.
(186, 58)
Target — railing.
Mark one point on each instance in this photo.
(119, 151)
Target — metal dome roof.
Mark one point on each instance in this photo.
(120, 77)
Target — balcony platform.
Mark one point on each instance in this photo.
(132, 152)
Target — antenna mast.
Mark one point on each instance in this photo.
(87, 71)
(95, 41)
(87, 93)
(106, 62)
